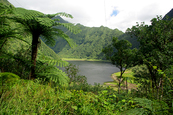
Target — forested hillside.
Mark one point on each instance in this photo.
(90, 42)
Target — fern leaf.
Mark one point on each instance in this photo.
(71, 27)
(60, 14)
(136, 111)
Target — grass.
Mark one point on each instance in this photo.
(28, 97)
(128, 74)
(112, 84)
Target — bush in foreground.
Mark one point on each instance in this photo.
(28, 97)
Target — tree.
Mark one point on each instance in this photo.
(72, 72)
(120, 54)
(41, 25)
(6, 31)
(155, 51)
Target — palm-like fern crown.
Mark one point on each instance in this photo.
(42, 25)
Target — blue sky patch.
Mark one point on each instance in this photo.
(114, 13)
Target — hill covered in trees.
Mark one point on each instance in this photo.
(89, 42)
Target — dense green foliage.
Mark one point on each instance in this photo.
(155, 52)
(57, 92)
(16, 54)
(28, 97)
(90, 42)
(72, 73)
(120, 54)
(5, 2)
(40, 25)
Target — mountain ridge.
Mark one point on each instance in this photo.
(90, 42)
(169, 15)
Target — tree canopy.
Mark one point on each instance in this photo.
(120, 54)
(155, 51)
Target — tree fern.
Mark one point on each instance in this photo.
(40, 25)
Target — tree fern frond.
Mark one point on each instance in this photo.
(54, 33)
(54, 62)
(45, 22)
(55, 75)
(47, 68)
(145, 106)
(71, 27)
(67, 38)
(143, 102)
(27, 14)
(135, 111)
(59, 14)
(5, 9)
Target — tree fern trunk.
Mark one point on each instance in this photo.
(34, 55)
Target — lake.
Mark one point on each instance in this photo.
(96, 71)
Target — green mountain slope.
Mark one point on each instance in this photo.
(90, 42)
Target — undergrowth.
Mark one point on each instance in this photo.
(32, 97)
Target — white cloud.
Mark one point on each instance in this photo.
(98, 12)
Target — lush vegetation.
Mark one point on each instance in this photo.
(90, 42)
(154, 55)
(121, 55)
(31, 83)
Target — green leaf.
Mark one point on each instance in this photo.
(154, 67)
(74, 107)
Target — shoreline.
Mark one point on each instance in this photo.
(114, 83)
(75, 59)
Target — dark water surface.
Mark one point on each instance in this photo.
(96, 72)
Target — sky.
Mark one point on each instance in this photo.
(115, 14)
